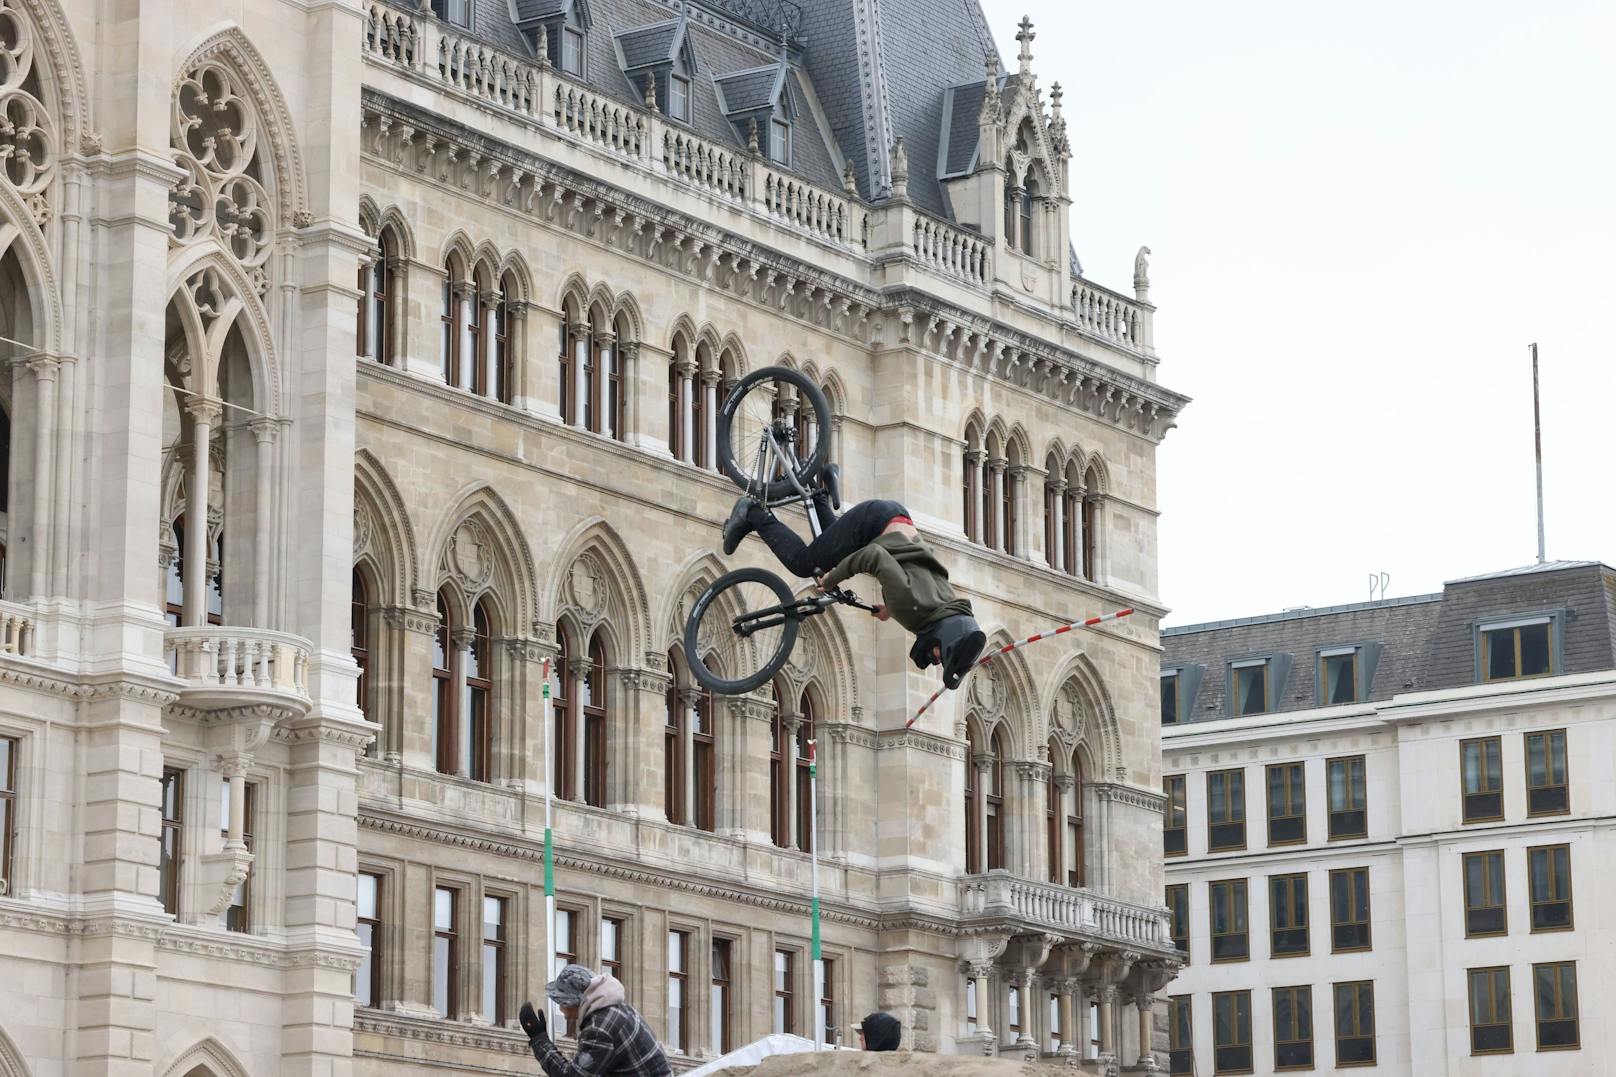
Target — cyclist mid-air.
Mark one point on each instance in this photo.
(875, 538)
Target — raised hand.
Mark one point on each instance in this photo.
(533, 1022)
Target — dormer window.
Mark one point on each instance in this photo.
(659, 59)
(563, 26)
(679, 97)
(454, 12)
(572, 52)
(761, 106)
(780, 141)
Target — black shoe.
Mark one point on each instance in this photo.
(738, 526)
(830, 480)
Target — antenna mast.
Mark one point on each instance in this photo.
(1537, 438)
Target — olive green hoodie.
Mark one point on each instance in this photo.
(914, 585)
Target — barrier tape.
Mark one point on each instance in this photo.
(1008, 647)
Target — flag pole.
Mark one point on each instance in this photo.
(1537, 439)
(549, 846)
(813, 867)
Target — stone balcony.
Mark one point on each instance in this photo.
(1007, 902)
(16, 630)
(224, 667)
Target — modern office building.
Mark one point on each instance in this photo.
(1389, 827)
(362, 358)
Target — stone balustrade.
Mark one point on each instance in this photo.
(700, 163)
(228, 665)
(1111, 316)
(801, 205)
(951, 251)
(16, 630)
(1081, 912)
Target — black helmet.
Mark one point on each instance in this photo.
(960, 640)
(882, 1032)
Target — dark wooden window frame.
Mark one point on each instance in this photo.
(1293, 803)
(1175, 787)
(171, 864)
(1290, 892)
(1234, 812)
(1491, 1011)
(1563, 1009)
(1351, 821)
(1551, 797)
(1346, 924)
(1234, 1055)
(1235, 894)
(1554, 854)
(1484, 804)
(1486, 913)
(1293, 1044)
(1352, 995)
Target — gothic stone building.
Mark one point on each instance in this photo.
(362, 357)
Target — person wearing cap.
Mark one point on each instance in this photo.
(875, 538)
(879, 1032)
(613, 1039)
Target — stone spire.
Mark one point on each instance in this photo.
(990, 92)
(1057, 122)
(1024, 36)
(900, 170)
(650, 93)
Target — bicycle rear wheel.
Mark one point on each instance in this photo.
(740, 631)
(749, 410)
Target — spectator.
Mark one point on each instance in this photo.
(613, 1039)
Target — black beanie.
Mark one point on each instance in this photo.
(882, 1032)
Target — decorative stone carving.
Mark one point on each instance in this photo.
(215, 142)
(28, 139)
(986, 691)
(362, 528)
(471, 555)
(586, 585)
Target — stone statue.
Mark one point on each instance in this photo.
(1141, 272)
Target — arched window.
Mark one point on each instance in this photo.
(475, 721)
(973, 482)
(375, 328)
(566, 389)
(592, 693)
(1029, 199)
(469, 352)
(174, 579)
(995, 801)
(216, 579)
(676, 408)
(1091, 493)
(703, 758)
(973, 804)
(615, 419)
(1012, 203)
(1072, 520)
(1052, 512)
(673, 747)
(1052, 819)
(991, 478)
(443, 689)
(779, 754)
(498, 382)
(592, 353)
(452, 320)
(1076, 874)
(699, 418)
(359, 633)
(1007, 496)
(805, 816)
(564, 721)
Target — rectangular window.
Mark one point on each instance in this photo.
(495, 1009)
(1548, 872)
(826, 1015)
(1349, 801)
(170, 855)
(1355, 1023)
(780, 141)
(1250, 687)
(1231, 1032)
(454, 12)
(445, 950)
(1293, 1028)
(238, 914)
(1482, 763)
(1287, 915)
(1226, 810)
(368, 916)
(566, 953)
(679, 97)
(8, 811)
(718, 1034)
(1513, 652)
(1547, 790)
(970, 1007)
(1178, 905)
(785, 1000)
(1287, 804)
(1492, 1025)
(572, 51)
(1180, 1037)
(1013, 997)
(1484, 894)
(1349, 910)
(1554, 993)
(1338, 676)
(1230, 935)
(678, 985)
(1169, 698)
(611, 947)
(1175, 825)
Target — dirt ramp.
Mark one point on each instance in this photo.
(882, 1064)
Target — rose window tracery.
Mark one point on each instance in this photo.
(215, 141)
(28, 141)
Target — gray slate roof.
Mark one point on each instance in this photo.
(649, 44)
(1428, 641)
(747, 90)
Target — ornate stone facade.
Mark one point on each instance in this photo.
(360, 375)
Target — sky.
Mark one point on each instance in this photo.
(1360, 217)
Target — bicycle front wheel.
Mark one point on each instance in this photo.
(740, 631)
(750, 410)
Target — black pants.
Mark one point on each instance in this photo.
(857, 527)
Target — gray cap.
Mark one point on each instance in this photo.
(568, 988)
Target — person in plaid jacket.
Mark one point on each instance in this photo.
(613, 1039)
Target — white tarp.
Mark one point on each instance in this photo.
(753, 1053)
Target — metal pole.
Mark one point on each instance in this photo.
(813, 867)
(1537, 439)
(549, 847)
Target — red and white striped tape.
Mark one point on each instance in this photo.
(1008, 647)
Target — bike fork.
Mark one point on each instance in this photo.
(772, 454)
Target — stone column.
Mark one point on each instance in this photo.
(411, 680)
(792, 723)
(709, 388)
(1071, 1033)
(265, 432)
(1145, 1007)
(973, 467)
(1076, 494)
(996, 479)
(1057, 555)
(235, 770)
(1031, 791)
(518, 693)
(983, 761)
(577, 669)
(45, 369)
(686, 449)
(641, 775)
(1108, 1004)
(460, 640)
(1016, 476)
(67, 405)
(578, 334)
(635, 426)
(488, 305)
(605, 366)
(204, 413)
(1065, 783)
(689, 700)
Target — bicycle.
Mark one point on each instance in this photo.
(743, 625)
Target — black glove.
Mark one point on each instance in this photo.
(533, 1022)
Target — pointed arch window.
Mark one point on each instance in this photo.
(990, 502)
(676, 410)
(779, 754)
(592, 696)
(973, 805)
(1091, 503)
(376, 287)
(565, 394)
(564, 721)
(1072, 522)
(174, 578)
(359, 632)
(469, 351)
(973, 483)
(1076, 873)
(475, 718)
(495, 382)
(443, 688)
(703, 761)
(995, 801)
(1052, 821)
(805, 817)
(673, 747)
(1008, 496)
(589, 358)
(1029, 199)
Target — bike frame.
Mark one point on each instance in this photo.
(770, 453)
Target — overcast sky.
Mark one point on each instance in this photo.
(1361, 216)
